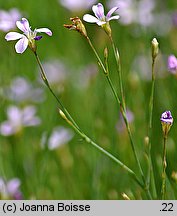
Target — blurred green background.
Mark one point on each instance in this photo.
(76, 170)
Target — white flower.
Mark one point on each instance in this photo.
(77, 5)
(8, 19)
(28, 37)
(58, 137)
(100, 19)
(17, 119)
(21, 90)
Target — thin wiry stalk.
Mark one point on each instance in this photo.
(121, 104)
(72, 123)
(164, 165)
(102, 150)
(44, 78)
(151, 105)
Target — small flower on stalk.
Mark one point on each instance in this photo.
(77, 25)
(100, 19)
(155, 48)
(167, 121)
(28, 38)
(172, 64)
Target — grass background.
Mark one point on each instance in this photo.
(77, 170)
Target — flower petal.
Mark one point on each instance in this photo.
(7, 129)
(23, 25)
(21, 45)
(98, 10)
(13, 36)
(172, 64)
(111, 12)
(89, 18)
(44, 30)
(113, 17)
(100, 23)
(13, 186)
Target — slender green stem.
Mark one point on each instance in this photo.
(121, 104)
(119, 71)
(44, 78)
(164, 165)
(151, 102)
(76, 128)
(96, 54)
(113, 158)
(151, 105)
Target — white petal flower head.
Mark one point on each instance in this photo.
(28, 38)
(99, 18)
(17, 119)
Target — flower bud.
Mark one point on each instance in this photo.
(167, 121)
(125, 196)
(155, 48)
(106, 53)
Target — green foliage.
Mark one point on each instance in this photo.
(77, 170)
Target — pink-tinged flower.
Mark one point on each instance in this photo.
(18, 119)
(8, 19)
(21, 90)
(172, 64)
(28, 37)
(10, 189)
(77, 5)
(58, 137)
(100, 19)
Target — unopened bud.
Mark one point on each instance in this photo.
(125, 196)
(106, 53)
(62, 114)
(146, 141)
(155, 48)
(64, 117)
